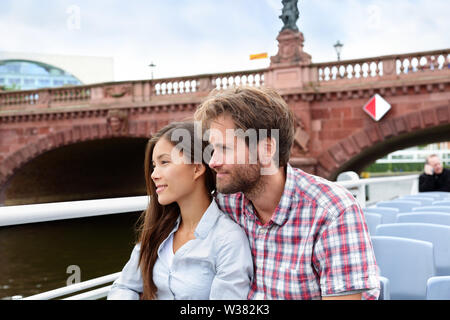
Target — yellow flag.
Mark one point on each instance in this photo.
(258, 56)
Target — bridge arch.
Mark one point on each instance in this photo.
(76, 134)
(373, 142)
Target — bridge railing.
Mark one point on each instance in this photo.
(374, 68)
(34, 213)
(390, 65)
(205, 83)
(44, 98)
(127, 91)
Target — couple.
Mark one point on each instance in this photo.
(291, 235)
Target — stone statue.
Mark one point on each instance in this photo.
(117, 121)
(289, 14)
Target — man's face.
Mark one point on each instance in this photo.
(435, 162)
(237, 168)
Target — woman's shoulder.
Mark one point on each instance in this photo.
(137, 248)
(227, 227)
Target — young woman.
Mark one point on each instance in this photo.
(187, 247)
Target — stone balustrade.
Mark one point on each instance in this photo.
(383, 66)
(250, 78)
(423, 61)
(205, 83)
(160, 90)
(134, 91)
(44, 97)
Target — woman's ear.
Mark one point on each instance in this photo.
(199, 170)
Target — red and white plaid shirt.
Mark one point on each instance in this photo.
(316, 243)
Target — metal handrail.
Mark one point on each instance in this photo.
(91, 295)
(13, 215)
(364, 182)
(32, 213)
(360, 185)
(97, 294)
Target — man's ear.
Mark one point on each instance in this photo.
(266, 149)
(199, 170)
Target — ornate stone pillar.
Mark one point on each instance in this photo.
(289, 71)
(289, 68)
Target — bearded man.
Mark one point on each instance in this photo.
(308, 236)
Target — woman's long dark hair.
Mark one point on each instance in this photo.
(157, 221)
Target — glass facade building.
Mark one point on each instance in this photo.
(27, 75)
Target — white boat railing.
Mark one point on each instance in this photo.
(358, 186)
(32, 213)
(77, 287)
(35, 213)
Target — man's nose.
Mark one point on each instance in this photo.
(215, 161)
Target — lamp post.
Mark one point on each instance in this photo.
(152, 65)
(338, 47)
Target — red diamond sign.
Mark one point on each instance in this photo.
(377, 107)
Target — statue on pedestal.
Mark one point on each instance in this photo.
(289, 14)
(290, 39)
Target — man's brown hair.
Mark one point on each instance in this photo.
(252, 108)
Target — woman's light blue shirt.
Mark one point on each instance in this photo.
(217, 264)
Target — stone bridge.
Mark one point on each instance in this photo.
(334, 134)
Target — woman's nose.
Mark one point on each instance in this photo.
(155, 174)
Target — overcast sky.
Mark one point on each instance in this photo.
(187, 37)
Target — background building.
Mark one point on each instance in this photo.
(411, 159)
(24, 71)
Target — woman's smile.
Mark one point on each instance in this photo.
(161, 188)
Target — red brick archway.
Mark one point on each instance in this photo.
(365, 141)
(330, 162)
(76, 134)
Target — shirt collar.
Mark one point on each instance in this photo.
(207, 221)
(287, 200)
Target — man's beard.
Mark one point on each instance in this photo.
(244, 178)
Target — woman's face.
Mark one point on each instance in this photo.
(173, 178)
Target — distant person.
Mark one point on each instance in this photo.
(187, 248)
(435, 176)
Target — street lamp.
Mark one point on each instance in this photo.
(152, 65)
(338, 47)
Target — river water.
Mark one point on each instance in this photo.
(35, 257)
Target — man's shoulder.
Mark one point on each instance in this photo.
(321, 191)
(228, 200)
(230, 204)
